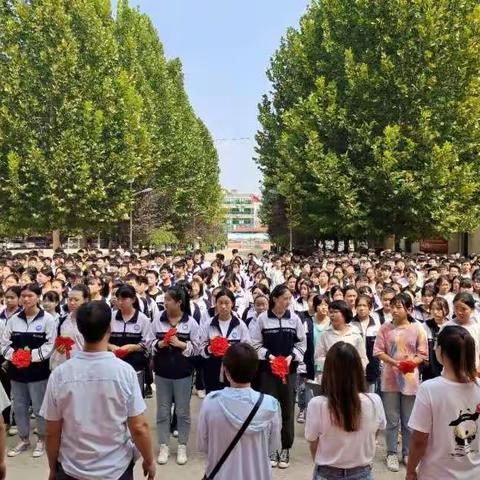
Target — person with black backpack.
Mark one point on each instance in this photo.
(239, 428)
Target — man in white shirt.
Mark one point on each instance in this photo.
(94, 409)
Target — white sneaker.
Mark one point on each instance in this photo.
(12, 431)
(201, 394)
(23, 446)
(274, 460)
(284, 459)
(392, 463)
(182, 455)
(163, 455)
(39, 449)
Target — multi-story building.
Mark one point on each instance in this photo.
(242, 209)
(243, 224)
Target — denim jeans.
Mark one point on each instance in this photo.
(171, 392)
(330, 473)
(24, 395)
(61, 475)
(398, 408)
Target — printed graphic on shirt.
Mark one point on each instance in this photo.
(465, 432)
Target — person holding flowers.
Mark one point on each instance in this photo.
(176, 340)
(69, 339)
(216, 335)
(27, 343)
(280, 340)
(402, 346)
(131, 332)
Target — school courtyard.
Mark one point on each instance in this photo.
(24, 467)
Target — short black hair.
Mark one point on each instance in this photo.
(93, 320)
(241, 361)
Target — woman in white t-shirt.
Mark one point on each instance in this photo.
(342, 423)
(445, 442)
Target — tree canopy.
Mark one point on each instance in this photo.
(92, 111)
(371, 126)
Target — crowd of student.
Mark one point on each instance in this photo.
(346, 326)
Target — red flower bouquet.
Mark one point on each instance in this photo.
(219, 346)
(280, 368)
(22, 358)
(66, 342)
(407, 366)
(169, 335)
(121, 352)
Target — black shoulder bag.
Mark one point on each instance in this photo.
(237, 438)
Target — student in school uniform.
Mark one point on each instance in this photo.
(34, 329)
(279, 332)
(173, 367)
(130, 331)
(224, 324)
(67, 325)
(153, 291)
(368, 329)
(12, 307)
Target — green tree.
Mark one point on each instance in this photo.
(71, 131)
(370, 129)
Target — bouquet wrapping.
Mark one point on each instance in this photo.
(280, 368)
(22, 358)
(65, 342)
(219, 346)
(121, 352)
(407, 366)
(169, 335)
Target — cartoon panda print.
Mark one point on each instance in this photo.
(465, 432)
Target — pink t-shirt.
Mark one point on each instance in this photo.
(401, 343)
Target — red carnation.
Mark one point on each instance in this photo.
(65, 342)
(407, 366)
(121, 352)
(169, 335)
(22, 358)
(280, 368)
(219, 346)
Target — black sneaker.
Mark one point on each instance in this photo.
(274, 460)
(284, 460)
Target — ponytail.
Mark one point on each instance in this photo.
(458, 346)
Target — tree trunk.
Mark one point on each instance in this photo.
(56, 239)
(84, 242)
(389, 243)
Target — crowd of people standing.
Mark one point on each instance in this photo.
(348, 344)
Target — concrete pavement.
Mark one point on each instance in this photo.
(24, 467)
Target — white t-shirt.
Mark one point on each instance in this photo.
(224, 326)
(340, 449)
(448, 411)
(94, 394)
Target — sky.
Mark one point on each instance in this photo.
(225, 47)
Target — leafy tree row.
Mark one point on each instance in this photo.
(91, 111)
(371, 128)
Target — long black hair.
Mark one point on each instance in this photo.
(457, 344)
(277, 292)
(127, 291)
(180, 294)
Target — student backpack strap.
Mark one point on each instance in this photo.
(237, 438)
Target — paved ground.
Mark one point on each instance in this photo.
(25, 467)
